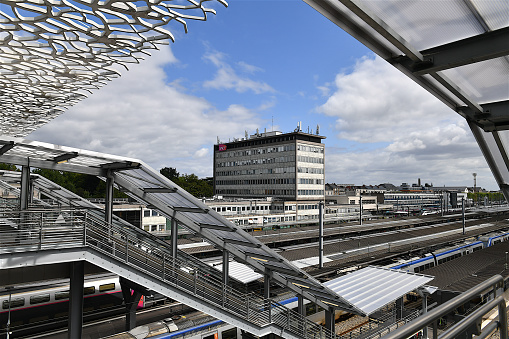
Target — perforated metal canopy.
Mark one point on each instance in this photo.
(456, 49)
(148, 186)
(52, 53)
(371, 288)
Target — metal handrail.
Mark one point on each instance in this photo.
(444, 309)
(33, 230)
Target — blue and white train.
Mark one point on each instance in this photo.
(434, 259)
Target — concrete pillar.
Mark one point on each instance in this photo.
(75, 322)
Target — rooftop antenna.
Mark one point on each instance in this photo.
(245, 133)
(317, 129)
(218, 142)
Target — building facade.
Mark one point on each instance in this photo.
(287, 166)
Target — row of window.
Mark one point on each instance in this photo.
(308, 207)
(153, 228)
(150, 213)
(310, 192)
(312, 160)
(310, 170)
(260, 192)
(364, 201)
(281, 181)
(312, 149)
(306, 181)
(262, 161)
(253, 208)
(255, 151)
(60, 295)
(278, 170)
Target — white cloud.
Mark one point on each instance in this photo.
(407, 132)
(376, 102)
(143, 116)
(227, 78)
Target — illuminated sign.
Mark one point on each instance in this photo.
(222, 147)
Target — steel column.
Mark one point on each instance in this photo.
(174, 237)
(463, 213)
(330, 319)
(226, 267)
(320, 237)
(108, 203)
(360, 209)
(300, 308)
(25, 188)
(75, 322)
(266, 286)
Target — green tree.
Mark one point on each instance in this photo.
(190, 182)
(84, 185)
(170, 172)
(8, 167)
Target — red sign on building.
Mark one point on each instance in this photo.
(222, 147)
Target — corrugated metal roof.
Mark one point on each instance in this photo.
(371, 288)
(240, 272)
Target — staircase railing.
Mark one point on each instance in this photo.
(52, 229)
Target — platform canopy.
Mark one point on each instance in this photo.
(52, 53)
(456, 49)
(372, 288)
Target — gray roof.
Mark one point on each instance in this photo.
(371, 288)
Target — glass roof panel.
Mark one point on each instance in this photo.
(486, 81)
(426, 24)
(494, 13)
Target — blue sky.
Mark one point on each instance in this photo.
(270, 64)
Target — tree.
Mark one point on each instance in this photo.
(84, 185)
(8, 167)
(170, 172)
(190, 182)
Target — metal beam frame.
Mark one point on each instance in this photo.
(65, 157)
(478, 48)
(494, 116)
(179, 214)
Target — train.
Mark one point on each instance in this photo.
(417, 265)
(33, 308)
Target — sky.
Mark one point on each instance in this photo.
(268, 65)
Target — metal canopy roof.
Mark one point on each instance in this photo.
(146, 185)
(52, 53)
(456, 49)
(371, 288)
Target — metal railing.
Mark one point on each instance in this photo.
(432, 317)
(32, 230)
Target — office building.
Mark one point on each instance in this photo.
(286, 166)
